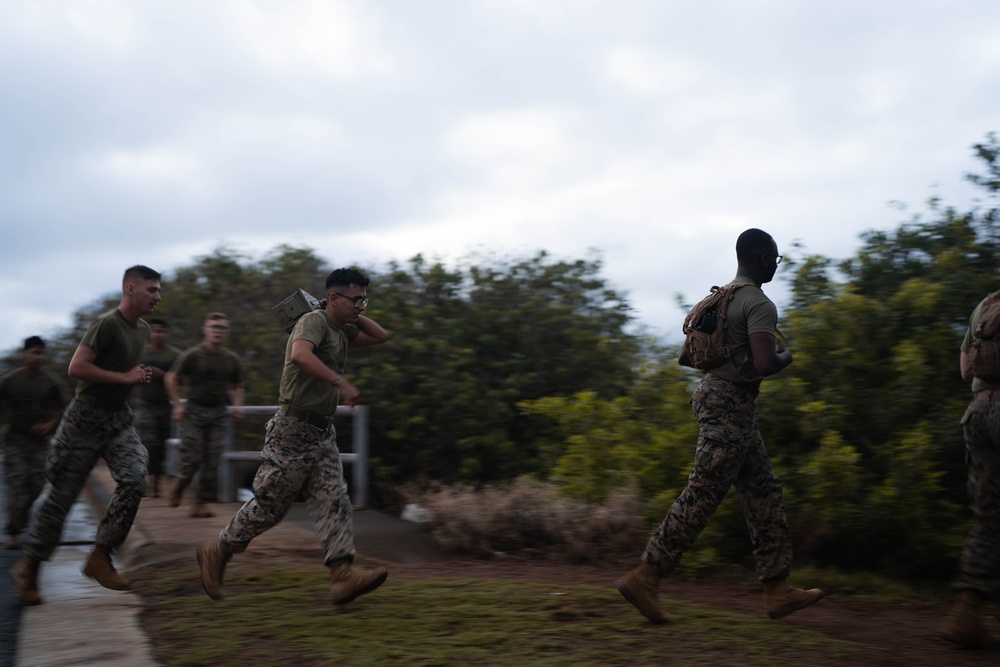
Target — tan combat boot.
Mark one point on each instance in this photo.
(640, 588)
(212, 558)
(177, 493)
(200, 511)
(99, 568)
(781, 599)
(347, 582)
(25, 576)
(964, 625)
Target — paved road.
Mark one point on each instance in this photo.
(10, 607)
(79, 529)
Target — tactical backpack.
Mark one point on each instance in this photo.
(984, 353)
(705, 328)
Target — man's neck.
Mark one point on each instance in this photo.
(741, 272)
(128, 313)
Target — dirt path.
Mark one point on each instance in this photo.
(891, 634)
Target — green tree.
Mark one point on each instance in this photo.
(468, 344)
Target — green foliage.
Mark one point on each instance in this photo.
(876, 389)
(647, 436)
(469, 344)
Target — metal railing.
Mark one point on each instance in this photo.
(358, 457)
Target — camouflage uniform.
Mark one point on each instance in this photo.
(979, 570)
(297, 457)
(24, 473)
(152, 423)
(209, 375)
(87, 433)
(152, 409)
(30, 398)
(202, 439)
(730, 452)
(97, 424)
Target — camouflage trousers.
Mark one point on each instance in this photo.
(730, 452)
(85, 434)
(203, 434)
(980, 566)
(24, 473)
(297, 457)
(152, 423)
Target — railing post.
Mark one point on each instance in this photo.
(358, 457)
(360, 445)
(227, 487)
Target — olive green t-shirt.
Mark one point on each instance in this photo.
(154, 392)
(749, 312)
(118, 346)
(209, 374)
(32, 399)
(305, 391)
(977, 383)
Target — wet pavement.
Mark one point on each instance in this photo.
(54, 634)
(10, 608)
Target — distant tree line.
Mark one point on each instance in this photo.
(504, 367)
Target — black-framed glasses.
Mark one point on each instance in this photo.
(359, 301)
(777, 258)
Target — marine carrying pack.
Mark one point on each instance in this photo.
(984, 352)
(705, 328)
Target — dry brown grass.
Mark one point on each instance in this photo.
(528, 515)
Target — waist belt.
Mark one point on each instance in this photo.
(102, 403)
(311, 418)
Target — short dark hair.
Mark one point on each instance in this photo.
(345, 278)
(752, 242)
(33, 341)
(139, 272)
(158, 321)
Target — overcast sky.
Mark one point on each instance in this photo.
(653, 132)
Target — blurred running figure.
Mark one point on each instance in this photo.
(978, 579)
(214, 378)
(300, 444)
(152, 403)
(35, 398)
(730, 450)
(97, 424)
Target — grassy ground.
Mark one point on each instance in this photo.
(283, 617)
